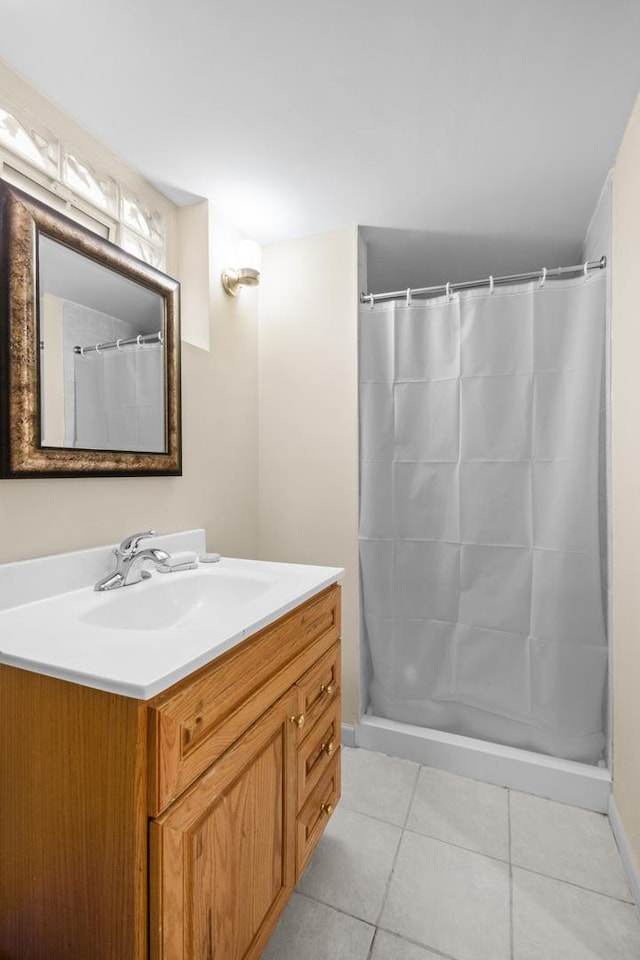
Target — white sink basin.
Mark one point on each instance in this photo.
(139, 640)
(169, 600)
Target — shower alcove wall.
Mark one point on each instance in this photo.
(393, 260)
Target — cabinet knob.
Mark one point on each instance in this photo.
(328, 748)
(327, 688)
(326, 808)
(299, 720)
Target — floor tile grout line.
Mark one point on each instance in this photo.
(370, 816)
(417, 943)
(395, 859)
(372, 944)
(458, 846)
(571, 883)
(412, 797)
(511, 946)
(332, 906)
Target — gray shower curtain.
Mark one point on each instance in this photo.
(479, 525)
(119, 399)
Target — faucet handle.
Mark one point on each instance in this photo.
(130, 545)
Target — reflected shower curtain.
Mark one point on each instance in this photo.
(119, 399)
(479, 520)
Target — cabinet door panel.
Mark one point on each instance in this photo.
(223, 856)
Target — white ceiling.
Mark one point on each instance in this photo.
(492, 121)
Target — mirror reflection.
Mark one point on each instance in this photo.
(102, 356)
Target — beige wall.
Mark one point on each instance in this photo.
(308, 416)
(625, 404)
(194, 228)
(218, 489)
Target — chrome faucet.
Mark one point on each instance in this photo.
(130, 562)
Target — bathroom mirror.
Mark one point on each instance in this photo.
(89, 351)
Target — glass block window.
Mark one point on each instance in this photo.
(44, 192)
(35, 188)
(36, 146)
(142, 229)
(137, 216)
(99, 189)
(141, 248)
(32, 158)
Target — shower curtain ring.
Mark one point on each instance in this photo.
(160, 337)
(490, 283)
(585, 269)
(408, 296)
(139, 340)
(371, 301)
(118, 344)
(543, 278)
(447, 290)
(97, 349)
(82, 352)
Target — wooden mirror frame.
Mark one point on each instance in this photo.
(22, 220)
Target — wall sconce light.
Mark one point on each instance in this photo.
(248, 274)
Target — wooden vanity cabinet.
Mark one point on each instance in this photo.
(176, 828)
(234, 752)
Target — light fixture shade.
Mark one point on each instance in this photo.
(249, 254)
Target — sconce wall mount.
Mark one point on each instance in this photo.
(234, 279)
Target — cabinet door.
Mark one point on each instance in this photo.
(223, 856)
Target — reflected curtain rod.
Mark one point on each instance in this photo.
(449, 288)
(121, 342)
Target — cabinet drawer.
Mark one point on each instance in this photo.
(317, 750)
(194, 722)
(315, 814)
(319, 687)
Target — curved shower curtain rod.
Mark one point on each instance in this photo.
(450, 288)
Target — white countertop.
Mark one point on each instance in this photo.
(186, 623)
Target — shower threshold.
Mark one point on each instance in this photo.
(580, 784)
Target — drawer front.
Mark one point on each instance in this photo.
(319, 687)
(317, 750)
(315, 814)
(193, 723)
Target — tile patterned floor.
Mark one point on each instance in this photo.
(419, 864)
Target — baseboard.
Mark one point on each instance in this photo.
(348, 735)
(626, 853)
